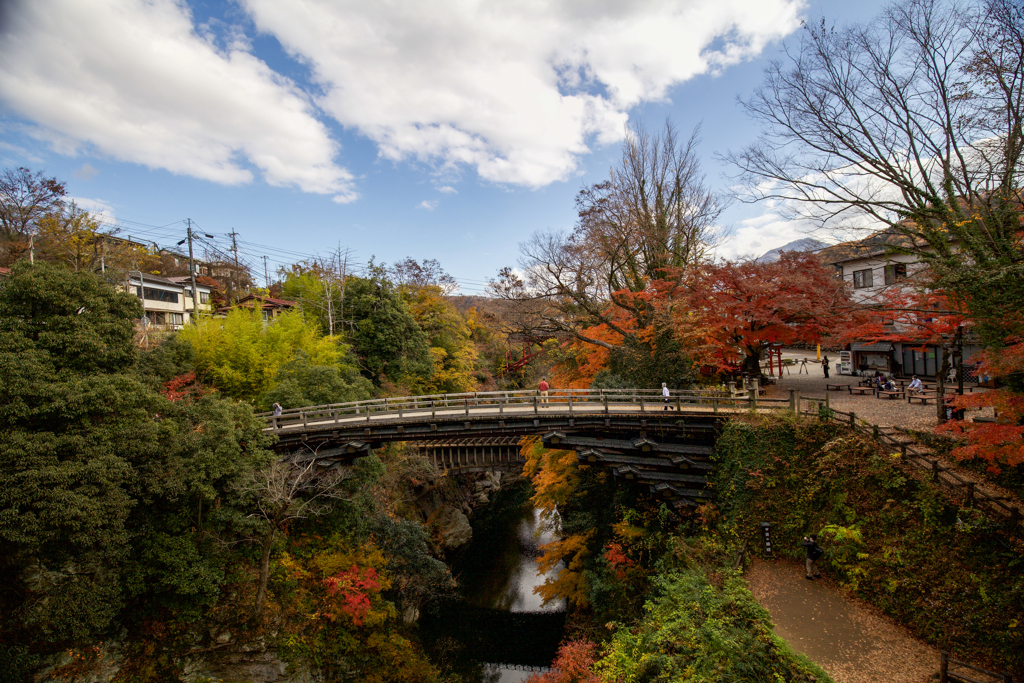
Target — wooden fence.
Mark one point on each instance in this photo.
(940, 473)
(945, 676)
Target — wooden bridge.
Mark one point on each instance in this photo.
(636, 434)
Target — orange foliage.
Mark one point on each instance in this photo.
(185, 386)
(572, 664)
(1001, 443)
(354, 587)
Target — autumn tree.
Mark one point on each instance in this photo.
(286, 491)
(653, 219)
(25, 198)
(744, 307)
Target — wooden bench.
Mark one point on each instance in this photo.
(889, 394)
(862, 390)
(923, 397)
(982, 418)
(835, 387)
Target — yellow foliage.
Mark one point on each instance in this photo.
(571, 582)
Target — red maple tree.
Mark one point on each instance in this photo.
(744, 307)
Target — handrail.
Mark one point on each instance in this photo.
(606, 401)
(914, 456)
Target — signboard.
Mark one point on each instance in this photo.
(766, 535)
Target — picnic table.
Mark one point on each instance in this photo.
(861, 390)
(835, 387)
(889, 394)
(923, 397)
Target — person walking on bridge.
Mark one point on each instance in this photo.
(666, 394)
(543, 389)
(813, 553)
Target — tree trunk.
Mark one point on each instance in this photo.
(940, 387)
(261, 590)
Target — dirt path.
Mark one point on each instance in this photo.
(850, 640)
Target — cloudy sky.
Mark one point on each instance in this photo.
(449, 130)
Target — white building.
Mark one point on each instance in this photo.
(872, 270)
(167, 302)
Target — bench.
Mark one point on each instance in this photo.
(835, 387)
(922, 397)
(982, 418)
(862, 390)
(889, 394)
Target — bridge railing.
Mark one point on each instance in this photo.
(520, 402)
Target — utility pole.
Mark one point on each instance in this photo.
(192, 270)
(266, 275)
(234, 248)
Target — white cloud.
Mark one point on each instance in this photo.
(133, 80)
(516, 90)
(428, 205)
(447, 189)
(100, 210)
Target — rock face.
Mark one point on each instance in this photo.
(452, 527)
(805, 244)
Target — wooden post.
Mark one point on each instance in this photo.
(604, 396)
(714, 405)
(501, 405)
(853, 419)
(304, 424)
(752, 398)
(826, 401)
(467, 406)
(903, 452)
(792, 400)
(641, 403)
(935, 470)
(970, 493)
(274, 418)
(570, 400)
(943, 667)
(798, 402)
(534, 405)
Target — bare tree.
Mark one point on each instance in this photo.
(911, 122)
(653, 219)
(286, 491)
(428, 273)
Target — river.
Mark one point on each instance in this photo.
(500, 625)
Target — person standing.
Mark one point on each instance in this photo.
(824, 365)
(813, 553)
(277, 409)
(543, 389)
(665, 394)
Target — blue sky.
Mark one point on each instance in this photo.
(449, 130)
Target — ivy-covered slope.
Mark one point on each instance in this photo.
(949, 573)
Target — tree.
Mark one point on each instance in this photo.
(387, 339)
(745, 307)
(416, 275)
(283, 492)
(910, 123)
(25, 198)
(110, 494)
(241, 354)
(653, 219)
(299, 382)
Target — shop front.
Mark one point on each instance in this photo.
(872, 358)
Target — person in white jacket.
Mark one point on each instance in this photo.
(665, 394)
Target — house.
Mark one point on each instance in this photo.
(167, 302)
(271, 307)
(873, 269)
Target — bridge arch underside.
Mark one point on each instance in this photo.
(669, 454)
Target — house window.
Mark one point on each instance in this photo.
(862, 279)
(175, 319)
(895, 272)
(204, 297)
(158, 295)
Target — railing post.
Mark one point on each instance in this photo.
(678, 403)
(501, 405)
(853, 419)
(792, 400)
(903, 451)
(826, 402)
(401, 407)
(534, 405)
(467, 405)
(970, 492)
(276, 426)
(604, 396)
(752, 398)
(797, 401)
(935, 470)
(714, 405)
(304, 424)
(570, 400)
(641, 402)
(944, 667)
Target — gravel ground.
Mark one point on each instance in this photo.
(850, 639)
(882, 412)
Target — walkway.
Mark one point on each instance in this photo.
(846, 637)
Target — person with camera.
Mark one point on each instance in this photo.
(813, 553)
